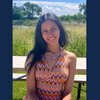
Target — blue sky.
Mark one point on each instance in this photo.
(58, 7)
(69, 1)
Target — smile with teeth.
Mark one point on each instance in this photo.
(52, 38)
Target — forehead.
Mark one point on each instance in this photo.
(48, 23)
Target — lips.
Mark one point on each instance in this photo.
(52, 38)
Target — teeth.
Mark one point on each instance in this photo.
(52, 39)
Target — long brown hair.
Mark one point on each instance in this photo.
(40, 45)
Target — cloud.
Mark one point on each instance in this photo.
(59, 8)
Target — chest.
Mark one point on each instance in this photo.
(59, 72)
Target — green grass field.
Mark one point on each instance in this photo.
(23, 40)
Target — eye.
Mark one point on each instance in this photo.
(44, 31)
(53, 29)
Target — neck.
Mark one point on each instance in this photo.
(53, 48)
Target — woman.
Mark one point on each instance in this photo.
(50, 68)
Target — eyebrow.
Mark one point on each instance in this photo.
(51, 27)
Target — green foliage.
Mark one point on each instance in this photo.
(17, 12)
(22, 41)
(26, 11)
(82, 7)
(30, 23)
(74, 18)
(30, 10)
(77, 39)
(25, 22)
(77, 17)
(19, 90)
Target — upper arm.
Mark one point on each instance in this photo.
(31, 78)
(72, 69)
(31, 82)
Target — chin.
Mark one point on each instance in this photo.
(52, 44)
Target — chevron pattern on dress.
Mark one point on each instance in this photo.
(50, 85)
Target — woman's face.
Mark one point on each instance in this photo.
(50, 32)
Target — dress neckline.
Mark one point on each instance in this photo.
(46, 62)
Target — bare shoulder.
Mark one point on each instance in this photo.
(72, 60)
(32, 71)
(29, 59)
(71, 56)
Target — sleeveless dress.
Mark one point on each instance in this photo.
(50, 84)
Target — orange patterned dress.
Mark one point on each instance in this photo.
(50, 84)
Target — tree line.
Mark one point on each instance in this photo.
(73, 18)
(26, 11)
(32, 11)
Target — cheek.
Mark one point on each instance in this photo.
(44, 37)
(58, 34)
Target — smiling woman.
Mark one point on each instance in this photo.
(50, 68)
(50, 32)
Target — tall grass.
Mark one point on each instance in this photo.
(77, 39)
(23, 40)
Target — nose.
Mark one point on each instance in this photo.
(50, 32)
